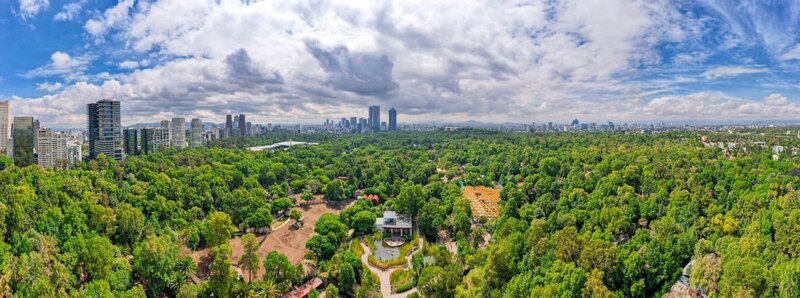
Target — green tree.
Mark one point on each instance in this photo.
(347, 277)
(98, 257)
(278, 268)
(331, 291)
(410, 200)
(321, 246)
(250, 260)
(154, 261)
(130, 224)
(219, 229)
(295, 215)
(96, 288)
(334, 191)
(221, 277)
(307, 196)
(364, 222)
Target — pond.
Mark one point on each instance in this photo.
(384, 252)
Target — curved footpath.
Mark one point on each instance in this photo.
(383, 275)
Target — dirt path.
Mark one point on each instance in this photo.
(383, 275)
(286, 240)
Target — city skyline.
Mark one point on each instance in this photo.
(621, 60)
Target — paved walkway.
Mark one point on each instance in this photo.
(383, 275)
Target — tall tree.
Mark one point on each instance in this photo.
(219, 229)
(221, 276)
(250, 260)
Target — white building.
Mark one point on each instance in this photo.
(52, 149)
(166, 126)
(5, 127)
(178, 133)
(197, 133)
(74, 153)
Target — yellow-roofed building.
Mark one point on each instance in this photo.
(483, 201)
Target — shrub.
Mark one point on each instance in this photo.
(387, 264)
(403, 288)
(358, 250)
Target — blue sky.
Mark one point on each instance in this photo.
(304, 61)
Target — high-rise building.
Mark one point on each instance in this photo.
(242, 125)
(36, 127)
(228, 126)
(392, 119)
(130, 138)
(154, 140)
(23, 141)
(5, 127)
(178, 132)
(105, 129)
(74, 154)
(197, 133)
(249, 130)
(375, 118)
(167, 126)
(353, 122)
(51, 150)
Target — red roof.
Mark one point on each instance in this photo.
(302, 291)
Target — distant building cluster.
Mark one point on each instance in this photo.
(372, 123)
(26, 142)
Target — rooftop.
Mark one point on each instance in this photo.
(280, 145)
(390, 219)
(482, 200)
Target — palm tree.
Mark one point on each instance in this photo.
(186, 267)
(267, 289)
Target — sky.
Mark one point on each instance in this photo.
(494, 61)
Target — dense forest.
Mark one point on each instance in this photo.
(582, 215)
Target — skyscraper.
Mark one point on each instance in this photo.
(242, 125)
(51, 150)
(228, 125)
(375, 117)
(130, 139)
(178, 132)
(392, 119)
(105, 129)
(5, 127)
(36, 127)
(154, 140)
(197, 133)
(23, 141)
(167, 126)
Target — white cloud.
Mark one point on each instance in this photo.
(776, 99)
(49, 87)
(30, 8)
(793, 54)
(717, 106)
(690, 58)
(112, 17)
(69, 11)
(300, 61)
(731, 71)
(61, 64)
(128, 64)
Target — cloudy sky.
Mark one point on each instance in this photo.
(303, 61)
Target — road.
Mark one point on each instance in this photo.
(383, 275)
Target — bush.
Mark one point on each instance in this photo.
(387, 264)
(356, 247)
(403, 288)
(400, 277)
